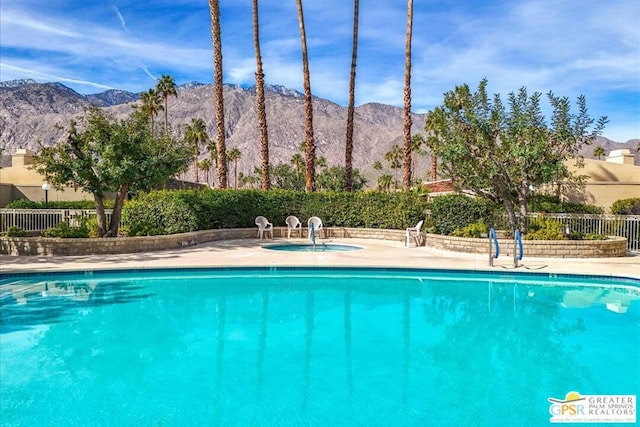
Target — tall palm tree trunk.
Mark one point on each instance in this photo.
(348, 151)
(214, 6)
(406, 178)
(260, 103)
(310, 152)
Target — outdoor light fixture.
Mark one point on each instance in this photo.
(533, 197)
(46, 188)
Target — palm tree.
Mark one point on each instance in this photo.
(348, 151)
(310, 178)
(166, 86)
(384, 182)
(297, 161)
(205, 166)
(406, 179)
(150, 105)
(214, 7)
(599, 152)
(213, 154)
(233, 156)
(417, 141)
(195, 133)
(394, 157)
(433, 126)
(260, 103)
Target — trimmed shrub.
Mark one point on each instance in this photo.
(474, 230)
(545, 229)
(629, 206)
(457, 211)
(159, 212)
(166, 212)
(64, 230)
(16, 232)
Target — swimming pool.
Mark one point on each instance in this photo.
(310, 346)
(305, 247)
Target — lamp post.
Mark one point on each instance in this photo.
(46, 188)
(532, 189)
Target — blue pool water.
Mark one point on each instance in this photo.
(303, 247)
(312, 347)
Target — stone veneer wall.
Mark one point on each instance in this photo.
(614, 247)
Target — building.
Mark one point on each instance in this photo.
(606, 181)
(20, 181)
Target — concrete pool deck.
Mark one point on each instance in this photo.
(375, 253)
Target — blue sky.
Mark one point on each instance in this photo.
(590, 47)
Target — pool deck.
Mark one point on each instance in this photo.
(376, 253)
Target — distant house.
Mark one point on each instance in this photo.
(605, 181)
(19, 181)
(437, 188)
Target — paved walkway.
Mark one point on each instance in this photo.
(376, 253)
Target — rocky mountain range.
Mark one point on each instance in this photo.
(32, 113)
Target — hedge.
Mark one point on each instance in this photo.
(175, 211)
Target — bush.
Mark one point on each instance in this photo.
(474, 230)
(160, 212)
(545, 229)
(626, 206)
(16, 232)
(64, 230)
(456, 211)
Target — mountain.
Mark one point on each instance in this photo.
(112, 97)
(32, 112)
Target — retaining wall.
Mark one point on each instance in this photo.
(43, 246)
(612, 247)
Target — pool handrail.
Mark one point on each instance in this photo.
(492, 236)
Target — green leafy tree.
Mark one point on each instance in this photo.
(102, 155)
(285, 177)
(194, 134)
(332, 179)
(166, 87)
(599, 152)
(502, 153)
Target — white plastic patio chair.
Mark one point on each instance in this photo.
(413, 232)
(264, 227)
(293, 225)
(317, 226)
